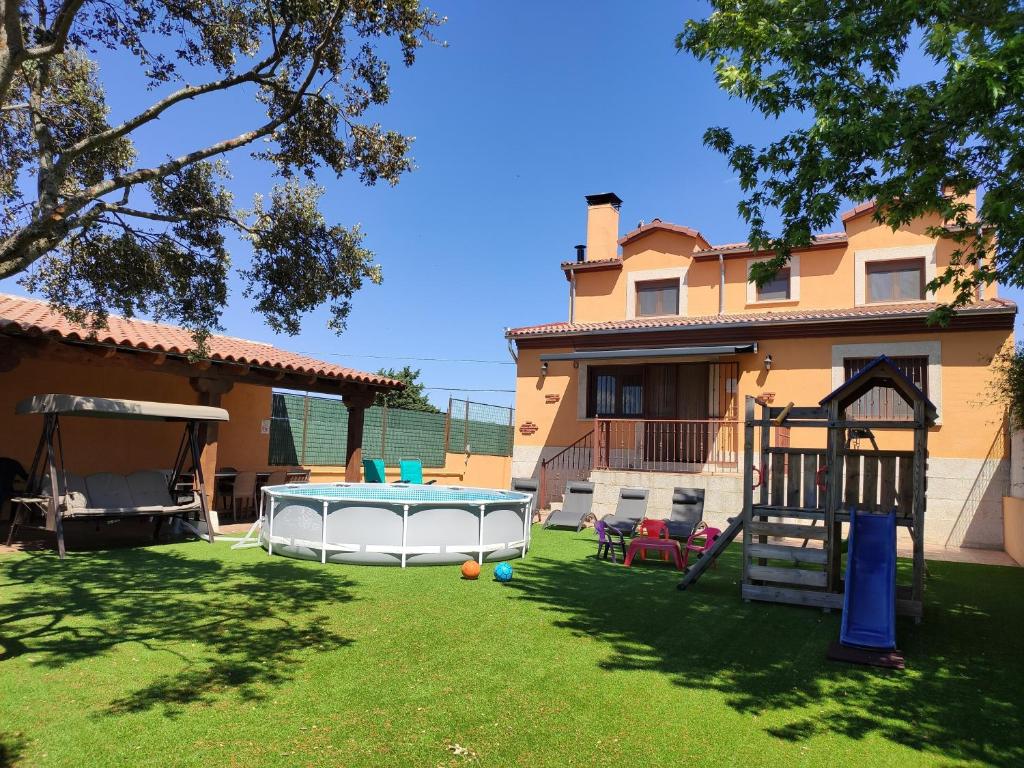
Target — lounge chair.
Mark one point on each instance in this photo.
(687, 512)
(577, 501)
(531, 486)
(629, 511)
(373, 471)
(411, 471)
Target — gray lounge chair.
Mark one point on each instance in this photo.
(687, 511)
(577, 501)
(530, 486)
(629, 511)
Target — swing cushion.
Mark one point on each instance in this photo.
(109, 491)
(149, 489)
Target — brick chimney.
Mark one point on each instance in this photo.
(602, 226)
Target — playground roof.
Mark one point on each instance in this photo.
(881, 372)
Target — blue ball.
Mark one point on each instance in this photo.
(503, 572)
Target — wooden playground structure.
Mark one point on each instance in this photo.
(796, 499)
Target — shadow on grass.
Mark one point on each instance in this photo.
(960, 697)
(225, 629)
(12, 745)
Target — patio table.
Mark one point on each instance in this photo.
(644, 543)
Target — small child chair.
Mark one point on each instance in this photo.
(700, 541)
(609, 537)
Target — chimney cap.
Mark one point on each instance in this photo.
(605, 198)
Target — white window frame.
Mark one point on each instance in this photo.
(898, 253)
(933, 349)
(650, 275)
(794, 282)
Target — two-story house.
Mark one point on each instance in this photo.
(643, 384)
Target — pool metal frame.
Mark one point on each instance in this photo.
(480, 548)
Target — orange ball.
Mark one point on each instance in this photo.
(470, 569)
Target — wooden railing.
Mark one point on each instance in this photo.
(573, 462)
(667, 445)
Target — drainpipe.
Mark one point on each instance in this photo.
(512, 349)
(572, 295)
(721, 284)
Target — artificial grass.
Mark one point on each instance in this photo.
(199, 655)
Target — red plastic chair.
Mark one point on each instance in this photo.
(700, 541)
(654, 534)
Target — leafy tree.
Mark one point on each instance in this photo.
(411, 398)
(917, 148)
(93, 229)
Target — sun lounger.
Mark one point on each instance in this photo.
(630, 510)
(528, 485)
(576, 504)
(687, 512)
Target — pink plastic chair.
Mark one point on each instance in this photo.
(700, 541)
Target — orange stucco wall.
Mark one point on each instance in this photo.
(827, 276)
(801, 373)
(95, 445)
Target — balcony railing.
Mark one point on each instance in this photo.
(667, 445)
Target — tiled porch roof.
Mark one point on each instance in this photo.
(31, 317)
(878, 311)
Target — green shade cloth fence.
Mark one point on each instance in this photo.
(311, 431)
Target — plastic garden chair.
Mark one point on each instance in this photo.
(411, 471)
(608, 538)
(700, 541)
(373, 471)
(653, 534)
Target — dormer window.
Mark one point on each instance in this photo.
(657, 297)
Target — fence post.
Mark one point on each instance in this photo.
(511, 430)
(448, 425)
(384, 434)
(465, 429)
(305, 427)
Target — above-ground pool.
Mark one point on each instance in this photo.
(400, 524)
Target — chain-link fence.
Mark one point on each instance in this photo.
(312, 431)
(479, 428)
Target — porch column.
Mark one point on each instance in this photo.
(210, 392)
(356, 401)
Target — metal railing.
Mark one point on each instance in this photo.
(573, 462)
(667, 445)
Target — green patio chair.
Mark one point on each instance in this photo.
(373, 471)
(412, 472)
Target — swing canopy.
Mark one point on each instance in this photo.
(112, 408)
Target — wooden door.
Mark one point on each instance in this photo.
(659, 435)
(692, 407)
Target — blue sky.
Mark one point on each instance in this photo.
(531, 106)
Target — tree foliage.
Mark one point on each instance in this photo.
(916, 147)
(93, 229)
(412, 398)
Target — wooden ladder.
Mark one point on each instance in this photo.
(772, 567)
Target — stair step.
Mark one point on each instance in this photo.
(798, 576)
(789, 531)
(812, 556)
(795, 512)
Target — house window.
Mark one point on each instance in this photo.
(897, 280)
(616, 392)
(777, 289)
(886, 404)
(657, 297)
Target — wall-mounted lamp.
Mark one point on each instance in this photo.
(544, 368)
(768, 362)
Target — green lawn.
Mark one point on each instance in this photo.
(192, 655)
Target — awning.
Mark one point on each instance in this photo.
(614, 354)
(110, 408)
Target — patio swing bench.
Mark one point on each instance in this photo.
(140, 494)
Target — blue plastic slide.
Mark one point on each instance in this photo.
(869, 605)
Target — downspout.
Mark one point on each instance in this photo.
(572, 296)
(512, 349)
(721, 284)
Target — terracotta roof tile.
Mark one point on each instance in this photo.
(857, 210)
(35, 318)
(660, 226)
(826, 238)
(596, 263)
(993, 306)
